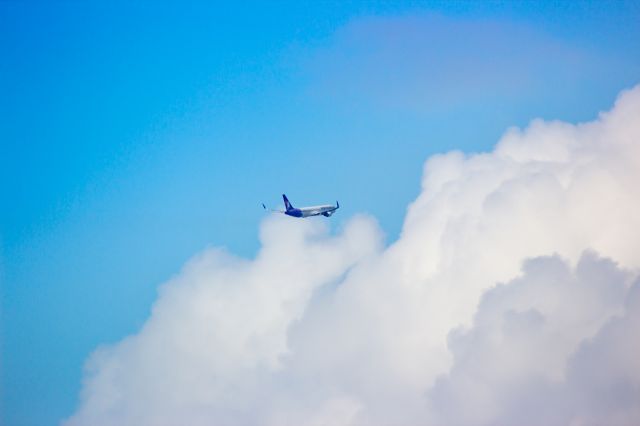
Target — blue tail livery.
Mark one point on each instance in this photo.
(287, 204)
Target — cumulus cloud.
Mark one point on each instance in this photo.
(511, 297)
(554, 346)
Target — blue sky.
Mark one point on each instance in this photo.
(133, 136)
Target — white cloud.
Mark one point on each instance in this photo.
(338, 330)
(541, 350)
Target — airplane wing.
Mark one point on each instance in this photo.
(271, 210)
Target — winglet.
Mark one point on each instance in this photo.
(263, 206)
(337, 204)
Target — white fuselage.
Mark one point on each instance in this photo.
(317, 210)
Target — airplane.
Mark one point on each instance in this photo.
(325, 210)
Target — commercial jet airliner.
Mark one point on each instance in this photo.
(326, 210)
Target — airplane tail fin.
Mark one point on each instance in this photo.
(287, 204)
